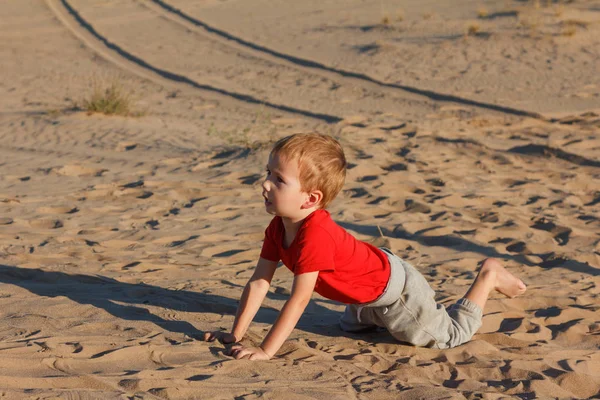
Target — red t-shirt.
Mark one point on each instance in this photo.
(350, 271)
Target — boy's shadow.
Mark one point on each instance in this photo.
(110, 294)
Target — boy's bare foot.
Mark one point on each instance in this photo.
(504, 282)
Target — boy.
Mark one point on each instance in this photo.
(304, 174)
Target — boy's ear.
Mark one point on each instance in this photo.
(313, 200)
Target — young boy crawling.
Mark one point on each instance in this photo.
(305, 172)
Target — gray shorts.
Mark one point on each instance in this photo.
(408, 310)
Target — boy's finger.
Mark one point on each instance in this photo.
(228, 339)
(231, 353)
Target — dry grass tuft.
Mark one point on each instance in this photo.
(530, 23)
(570, 26)
(482, 12)
(400, 15)
(569, 31)
(559, 10)
(473, 29)
(576, 23)
(110, 100)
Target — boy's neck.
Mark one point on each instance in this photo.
(291, 225)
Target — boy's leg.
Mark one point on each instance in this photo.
(493, 276)
(351, 320)
(416, 318)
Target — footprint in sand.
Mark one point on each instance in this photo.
(489, 216)
(396, 167)
(131, 265)
(518, 247)
(152, 224)
(403, 152)
(175, 241)
(58, 210)
(191, 203)
(436, 182)
(356, 192)
(361, 155)
(565, 327)
(534, 199)
(250, 179)
(552, 311)
(356, 120)
(79, 170)
(378, 200)
(135, 192)
(130, 384)
(132, 185)
(185, 196)
(126, 146)
(437, 216)
(593, 202)
(416, 207)
(145, 195)
(77, 347)
(221, 251)
(588, 219)
(560, 233)
(46, 223)
(229, 253)
(367, 178)
(510, 324)
(388, 127)
(198, 378)
(119, 244)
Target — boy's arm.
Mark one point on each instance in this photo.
(254, 293)
(291, 312)
(250, 302)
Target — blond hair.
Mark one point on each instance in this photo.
(321, 162)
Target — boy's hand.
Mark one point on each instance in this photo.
(223, 337)
(250, 353)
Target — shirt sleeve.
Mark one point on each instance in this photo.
(316, 252)
(270, 250)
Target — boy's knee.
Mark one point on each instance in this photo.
(466, 320)
(351, 320)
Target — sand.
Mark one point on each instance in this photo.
(124, 238)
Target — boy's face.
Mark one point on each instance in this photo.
(282, 190)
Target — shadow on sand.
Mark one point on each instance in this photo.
(550, 260)
(126, 300)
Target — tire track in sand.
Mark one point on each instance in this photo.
(174, 14)
(127, 61)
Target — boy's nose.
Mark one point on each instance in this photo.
(265, 184)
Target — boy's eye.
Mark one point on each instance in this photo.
(280, 180)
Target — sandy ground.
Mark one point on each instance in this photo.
(124, 238)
